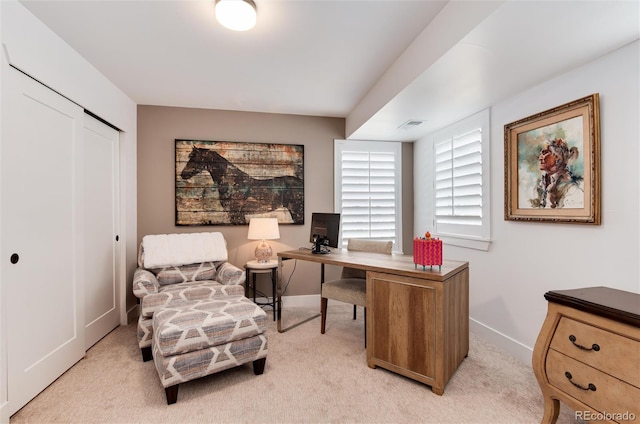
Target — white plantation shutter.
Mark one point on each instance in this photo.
(459, 179)
(368, 190)
(461, 189)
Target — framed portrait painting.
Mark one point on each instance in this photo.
(552, 165)
(228, 183)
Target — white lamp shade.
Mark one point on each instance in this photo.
(238, 15)
(263, 229)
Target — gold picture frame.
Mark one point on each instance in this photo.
(552, 165)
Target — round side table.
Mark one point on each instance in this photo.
(252, 268)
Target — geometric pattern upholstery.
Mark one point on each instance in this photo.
(229, 274)
(195, 290)
(178, 369)
(145, 332)
(184, 273)
(204, 323)
(146, 282)
(194, 319)
(199, 338)
(180, 284)
(172, 296)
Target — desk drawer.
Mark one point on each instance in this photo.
(607, 394)
(603, 350)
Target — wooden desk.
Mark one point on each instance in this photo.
(417, 320)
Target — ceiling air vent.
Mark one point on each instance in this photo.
(411, 123)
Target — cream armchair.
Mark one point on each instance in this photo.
(177, 268)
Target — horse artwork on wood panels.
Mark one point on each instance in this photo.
(227, 183)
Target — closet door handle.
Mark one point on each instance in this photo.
(15, 258)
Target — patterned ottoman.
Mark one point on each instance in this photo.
(175, 295)
(202, 337)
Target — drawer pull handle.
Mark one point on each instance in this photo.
(594, 346)
(591, 386)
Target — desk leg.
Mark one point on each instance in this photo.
(279, 295)
(279, 302)
(274, 279)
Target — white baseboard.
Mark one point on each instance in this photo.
(504, 342)
(132, 314)
(302, 301)
(312, 300)
(309, 300)
(4, 413)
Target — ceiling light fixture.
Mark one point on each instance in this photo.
(238, 15)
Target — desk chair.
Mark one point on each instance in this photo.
(351, 287)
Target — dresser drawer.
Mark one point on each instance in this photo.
(606, 351)
(609, 394)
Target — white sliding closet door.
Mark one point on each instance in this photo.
(102, 291)
(42, 235)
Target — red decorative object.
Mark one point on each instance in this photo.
(427, 252)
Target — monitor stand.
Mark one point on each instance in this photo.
(318, 246)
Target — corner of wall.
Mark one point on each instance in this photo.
(504, 342)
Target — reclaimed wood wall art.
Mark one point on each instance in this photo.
(228, 183)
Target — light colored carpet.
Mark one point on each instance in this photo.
(308, 378)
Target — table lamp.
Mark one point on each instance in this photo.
(263, 229)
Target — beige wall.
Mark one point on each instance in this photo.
(158, 127)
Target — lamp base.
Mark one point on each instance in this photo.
(263, 252)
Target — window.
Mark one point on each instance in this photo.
(461, 179)
(368, 190)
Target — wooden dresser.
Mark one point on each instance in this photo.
(588, 355)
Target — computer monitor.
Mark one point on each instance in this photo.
(324, 231)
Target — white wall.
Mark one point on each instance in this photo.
(437, 38)
(4, 418)
(34, 49)
(525, 260)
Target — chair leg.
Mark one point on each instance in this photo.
(172, 394)
(354, 311)
(323, 312)
(146, 353)
(258, 366)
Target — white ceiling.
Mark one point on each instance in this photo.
(329, 58)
